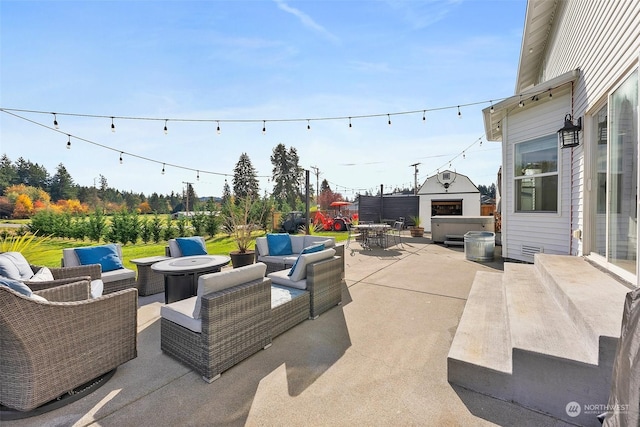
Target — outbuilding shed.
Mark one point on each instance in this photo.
(447, 193)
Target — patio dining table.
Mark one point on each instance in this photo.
(373, 234)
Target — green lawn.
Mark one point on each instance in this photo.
(49, 252)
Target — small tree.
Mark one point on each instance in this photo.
(242, 221)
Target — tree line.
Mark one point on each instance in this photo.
(27, 187)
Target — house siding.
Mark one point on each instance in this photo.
(603, 40)
(552, 230)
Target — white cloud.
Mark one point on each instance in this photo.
(307, 21)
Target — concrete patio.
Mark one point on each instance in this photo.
(378, 359)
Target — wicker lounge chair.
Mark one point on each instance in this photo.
(51, 347)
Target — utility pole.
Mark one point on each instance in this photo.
(415, 178)
(188, 184)
(316, 171)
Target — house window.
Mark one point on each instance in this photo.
(536, 175)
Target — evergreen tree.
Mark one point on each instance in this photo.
(226, 193)
(245, 180)
(31, 174)
(287, 176)
(62, 187)
(8, 173)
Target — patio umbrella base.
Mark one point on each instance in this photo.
(8, 414)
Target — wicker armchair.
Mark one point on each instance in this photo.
(48, 348)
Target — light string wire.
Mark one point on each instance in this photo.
(12, 111)
(163, 163)
(198, 171)
(264, 121)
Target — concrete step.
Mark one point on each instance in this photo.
(536, 322)
(592, 298)
(482, 338)
(453, 243)
(541, 335)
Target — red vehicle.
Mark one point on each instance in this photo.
(337, 223)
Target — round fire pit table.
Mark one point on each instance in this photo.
(181, 274)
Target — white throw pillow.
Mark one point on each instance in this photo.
(97, 287)
(43, 275)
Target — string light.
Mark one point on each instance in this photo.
(264, 127)
(459, 113)
(55, 121)
(69, 142)
(113, 127)
(198, 176)
(389, 117)
(349, 122)
(121, 157)
(491, 110)
(550, 94)
(166, 131)
(520, 104)
(498, 127)
(308, 125)
(163, 169)
(424, 115)
(464, 156)
(218, 131)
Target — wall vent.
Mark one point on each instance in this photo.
(530, 251)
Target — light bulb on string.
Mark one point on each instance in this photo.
(389, 117)
(218, 131)
(69, 142)
(55, 121)
(350, 123)
(464, 156)
(520, 104)
(163, 169)
(308, 125)
(424, 115)
(498, 127)
(166, 131)
(264, 127)
(550, 94)
(113, 127)
(198, 176)
(459, 113)
(491, 110)
(121, 157)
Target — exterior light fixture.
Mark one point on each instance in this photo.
(569, 135)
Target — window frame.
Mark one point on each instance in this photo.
(551, 139)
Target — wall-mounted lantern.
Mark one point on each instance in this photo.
(569, 135)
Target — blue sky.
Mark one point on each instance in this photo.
(241, 62)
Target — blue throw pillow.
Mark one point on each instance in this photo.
(16, 286)
(309, 249)
(279, 244)
(191, 246)
(106, 256)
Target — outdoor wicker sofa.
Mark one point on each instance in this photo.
(51, 347)
(277, 262)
